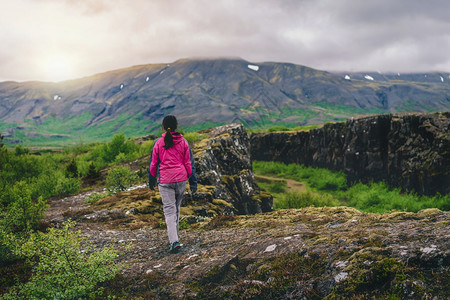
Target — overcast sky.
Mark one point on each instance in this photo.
(54, 40)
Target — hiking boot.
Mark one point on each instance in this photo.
(174, 247)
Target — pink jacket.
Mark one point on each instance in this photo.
(174, 163)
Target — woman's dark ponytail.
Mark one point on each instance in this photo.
(168, 139)
(169, 124)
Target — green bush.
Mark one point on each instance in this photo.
(119, 179)
(44, 185)
(92, 172)
(6, 248)
(146, 148)
(110, 151)
(82, 165)
(72, 169)
(20, 150)
(22, 214)
(65, 266)
(68, 186)
(120, 158)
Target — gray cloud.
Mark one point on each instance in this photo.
(91, 36)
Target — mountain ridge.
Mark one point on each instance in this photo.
(208, 92)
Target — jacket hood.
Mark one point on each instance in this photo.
(177, 137)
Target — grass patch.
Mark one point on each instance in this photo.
(298, 200)
(329, 188)
(95, 197)
(317, 178)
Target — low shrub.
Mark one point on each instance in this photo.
(119, 179)
(65, 266)
(146, 148)
(44, 185)
(23, 214)
(68, 186)
(72, 169)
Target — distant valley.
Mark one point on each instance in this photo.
(203, 93)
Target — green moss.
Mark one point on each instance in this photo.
(187, 211)
(221, 202)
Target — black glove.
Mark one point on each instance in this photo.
(151, 182)
(193, 188)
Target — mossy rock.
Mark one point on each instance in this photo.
(187, 211)
(398, 216)
(221, 202)
(428, 212)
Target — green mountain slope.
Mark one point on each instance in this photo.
(203, 93)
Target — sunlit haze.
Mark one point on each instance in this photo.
(57, 67)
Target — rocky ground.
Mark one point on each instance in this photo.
(308, 253)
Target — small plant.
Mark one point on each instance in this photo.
(95, 197)
(65, 266)
(92, 173)
(119, 179)
(184, 224)
(72, 169)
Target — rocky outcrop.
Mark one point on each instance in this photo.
(410, 151)
(223, 162)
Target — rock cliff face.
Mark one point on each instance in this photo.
(223, 162)
(410, 151)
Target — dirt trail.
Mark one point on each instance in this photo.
(293, 186)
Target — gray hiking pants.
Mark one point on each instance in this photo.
(172, 194)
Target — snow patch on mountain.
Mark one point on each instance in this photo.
(253, 67)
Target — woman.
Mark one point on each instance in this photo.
(171, 165)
